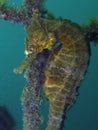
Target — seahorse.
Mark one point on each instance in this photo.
(66, 65)
(66, 68)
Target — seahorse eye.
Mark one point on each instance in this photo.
(29, 51)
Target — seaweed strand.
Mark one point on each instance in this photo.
(31, 97)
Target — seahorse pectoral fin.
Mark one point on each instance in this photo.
(23, 66)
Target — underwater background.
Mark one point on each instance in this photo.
(84, 113)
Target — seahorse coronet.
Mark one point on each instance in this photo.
(39, 38)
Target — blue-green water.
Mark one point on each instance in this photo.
(84, 114)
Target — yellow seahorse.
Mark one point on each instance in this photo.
(66, 66)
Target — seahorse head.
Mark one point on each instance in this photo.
(38, 36)
(37, 43)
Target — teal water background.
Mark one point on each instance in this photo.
(84, 114)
